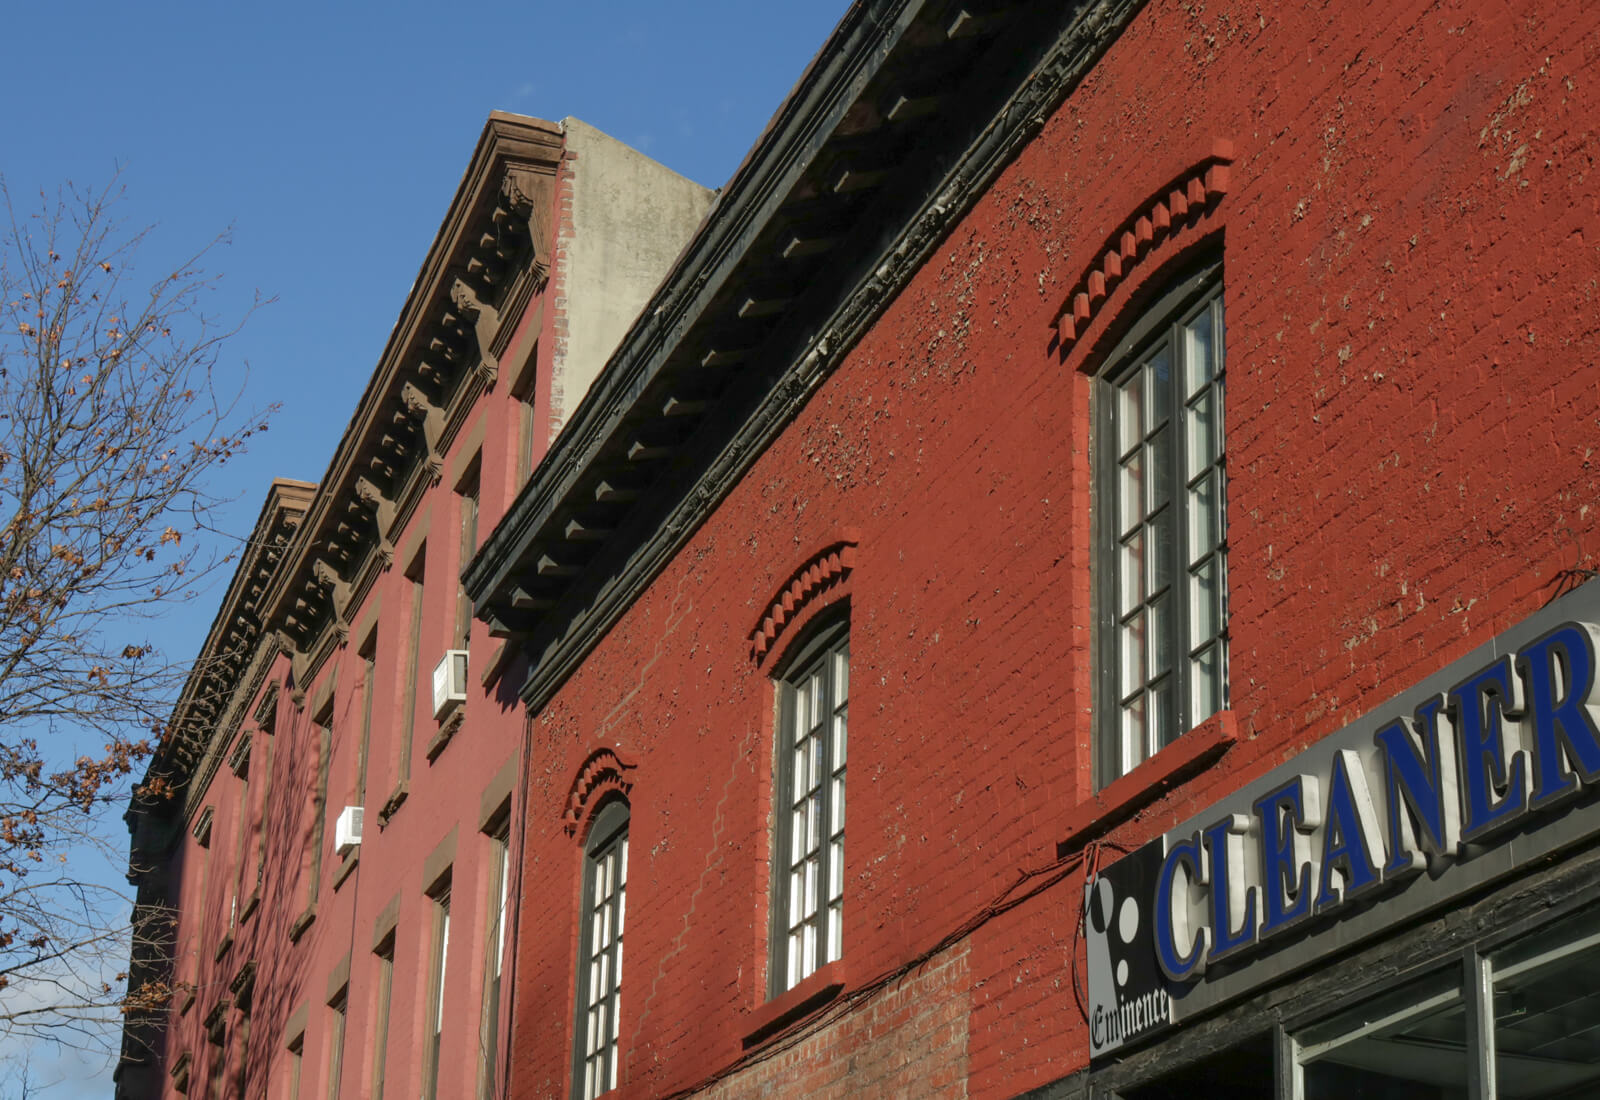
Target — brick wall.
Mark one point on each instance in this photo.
(1409, 241)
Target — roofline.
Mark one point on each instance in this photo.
(1032, 56)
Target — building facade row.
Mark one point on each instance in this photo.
(321, 845)
(1078, 581)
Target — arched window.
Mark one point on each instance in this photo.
(1161, 555)
(595, 1062)
(808, 785)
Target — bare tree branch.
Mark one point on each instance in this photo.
(112, 424)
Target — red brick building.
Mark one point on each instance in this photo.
(915, 483)
(1076, 583)
(320, 846)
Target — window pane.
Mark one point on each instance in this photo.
(1197, 352)
(1160, 469)
(1130, 413)
(836, 823)
(840, 739)
(1163, 715)
(1161, 551)
(1132, 732)
(1200, 431)
(1205, 603)
(1205, 687)
(1158, 385)
(1203, 516)
(802, 714)
(1160, 635)
(841, 677)
(1132, 654)
(1130, 582)
(1131, 479)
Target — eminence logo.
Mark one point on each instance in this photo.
(1127, 992)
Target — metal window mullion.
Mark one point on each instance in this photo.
(1179, 566)
(1108, 544)
(822, 731)
(1477, 987)
(1290, 1078)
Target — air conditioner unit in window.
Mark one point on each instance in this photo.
(347, 830)
(449, 682)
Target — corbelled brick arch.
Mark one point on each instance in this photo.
(602, 774)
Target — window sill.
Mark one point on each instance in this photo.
(348, 864)
(447, 731)
(222, 947)
(392, 805)
(251, 904)
(302, 922)
(1127, 795)
(791, 1006)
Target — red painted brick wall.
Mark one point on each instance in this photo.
(1410, 249)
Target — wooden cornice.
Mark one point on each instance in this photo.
(487, 261)
(213, 688)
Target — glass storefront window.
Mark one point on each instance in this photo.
(1410, 1042)
(1535, 1003)
(1547, 1012)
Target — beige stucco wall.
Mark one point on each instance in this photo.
(630, 218)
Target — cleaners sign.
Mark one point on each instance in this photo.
(1445, 788)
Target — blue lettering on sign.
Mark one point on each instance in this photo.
(1285, 878)
(1177, 963)
(1494, 791)
(1559, 712)
(1348, 837)
(1423, 781)
(1226, 886)
(1518, 736)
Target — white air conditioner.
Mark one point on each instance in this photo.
(449, 681)
(347, 830)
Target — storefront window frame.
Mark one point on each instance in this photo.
(1471, 961)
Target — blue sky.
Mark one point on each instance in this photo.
(331, 138)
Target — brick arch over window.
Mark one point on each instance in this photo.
(814, 583)
(1163, 227)
(604, 773)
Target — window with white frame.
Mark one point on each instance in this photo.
(808, 887)
(494, 962)
(1160, 494)
(437, 967)
(596, 1065)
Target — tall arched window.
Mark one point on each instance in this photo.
(808, 784)
(1160, 489)
(595, 1061)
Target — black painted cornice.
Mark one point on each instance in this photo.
(897, 127)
